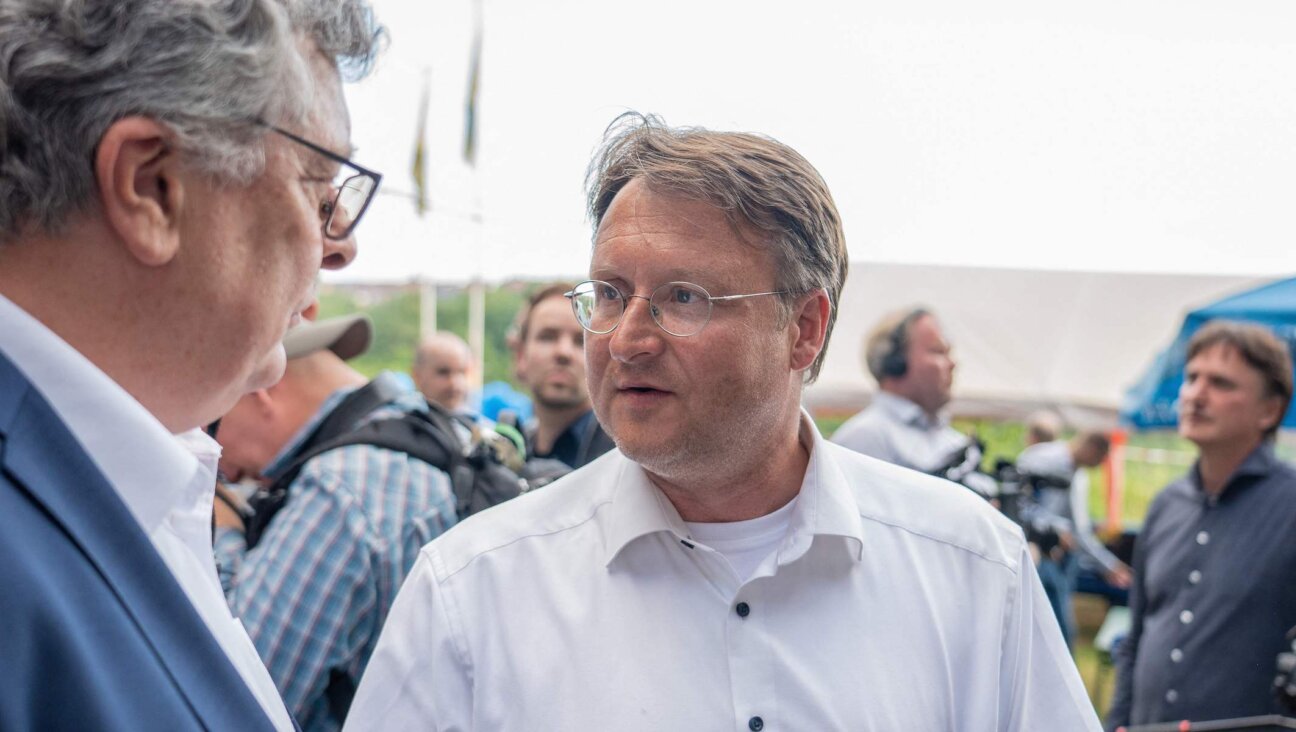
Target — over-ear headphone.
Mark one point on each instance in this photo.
(895, 363)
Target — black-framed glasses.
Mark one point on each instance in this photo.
(679, 308)
(355, 188)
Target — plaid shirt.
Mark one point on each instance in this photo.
(314, 592)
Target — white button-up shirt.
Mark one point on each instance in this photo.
(166, 481)
(896, 601)
(898, 431)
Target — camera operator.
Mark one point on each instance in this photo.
(1060, 491)
(906, 424)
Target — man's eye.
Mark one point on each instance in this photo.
(326, 209)
(683, 296)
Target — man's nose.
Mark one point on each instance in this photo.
(638, 334)
(338, 253)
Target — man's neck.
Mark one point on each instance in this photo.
(551, 422)
(756, 485)
(1217, 463)
(103, 305)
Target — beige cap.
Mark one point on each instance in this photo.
(347, 336)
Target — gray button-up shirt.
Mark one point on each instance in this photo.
(898, 431)
(1214, 594)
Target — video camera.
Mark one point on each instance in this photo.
(1005, 489)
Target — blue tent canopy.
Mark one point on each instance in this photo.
(1152, 402)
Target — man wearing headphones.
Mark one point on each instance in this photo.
(910, 358)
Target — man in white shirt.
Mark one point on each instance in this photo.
(906, 424)
(725, 568)
(170, 185)
(1057, 472)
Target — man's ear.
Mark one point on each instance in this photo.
(808, 328)
(1273, 413)
(140, 189)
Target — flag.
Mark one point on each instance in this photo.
(418, 165)
(470, 103)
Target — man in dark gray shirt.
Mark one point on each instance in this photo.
(1215, 565)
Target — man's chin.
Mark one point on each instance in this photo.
(269, 370)
(562, 400)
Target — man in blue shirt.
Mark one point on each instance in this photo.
(1213, 594)
(549, 358)
(314, 591)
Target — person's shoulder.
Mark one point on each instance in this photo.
(930, 508)
(569, 504)
(1285, 474)
(866, 425)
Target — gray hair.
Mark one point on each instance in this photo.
(207, 69)
(753, 179)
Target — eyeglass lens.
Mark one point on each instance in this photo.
(680, 308)
(353, 194)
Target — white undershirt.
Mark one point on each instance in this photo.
(166, 481)
(745, 543)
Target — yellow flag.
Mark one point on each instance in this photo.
(470, 103)
(418, 166)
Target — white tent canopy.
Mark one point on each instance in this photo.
(1022, 339)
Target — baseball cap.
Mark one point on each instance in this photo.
(347, 336)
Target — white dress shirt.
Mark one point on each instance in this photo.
(898, 431)
(895, 601)
(166, 481)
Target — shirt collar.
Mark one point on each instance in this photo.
(826, 506)
(908, 412)
(151, 469)
(1261, 462)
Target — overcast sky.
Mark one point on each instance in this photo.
(1126, 136)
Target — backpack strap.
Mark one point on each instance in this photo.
(353, 408)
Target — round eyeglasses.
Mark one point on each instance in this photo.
(679, 308)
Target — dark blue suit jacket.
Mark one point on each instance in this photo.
(95, 632)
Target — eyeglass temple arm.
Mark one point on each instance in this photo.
(752, 294)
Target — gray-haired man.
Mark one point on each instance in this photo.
(172, 178)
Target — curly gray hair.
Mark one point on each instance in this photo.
(206, 69)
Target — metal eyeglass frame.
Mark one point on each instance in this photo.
(362, 172)
(625, 303)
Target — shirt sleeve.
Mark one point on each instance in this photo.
(1041, 687)
(1087, 543)
(420, 675)
(307, 590)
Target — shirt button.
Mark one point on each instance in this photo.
(1176, 655)
(1194, 576)
(1172, 696)
(755, 724)
(743, 610)
(1186, 617)
(1203, 538)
